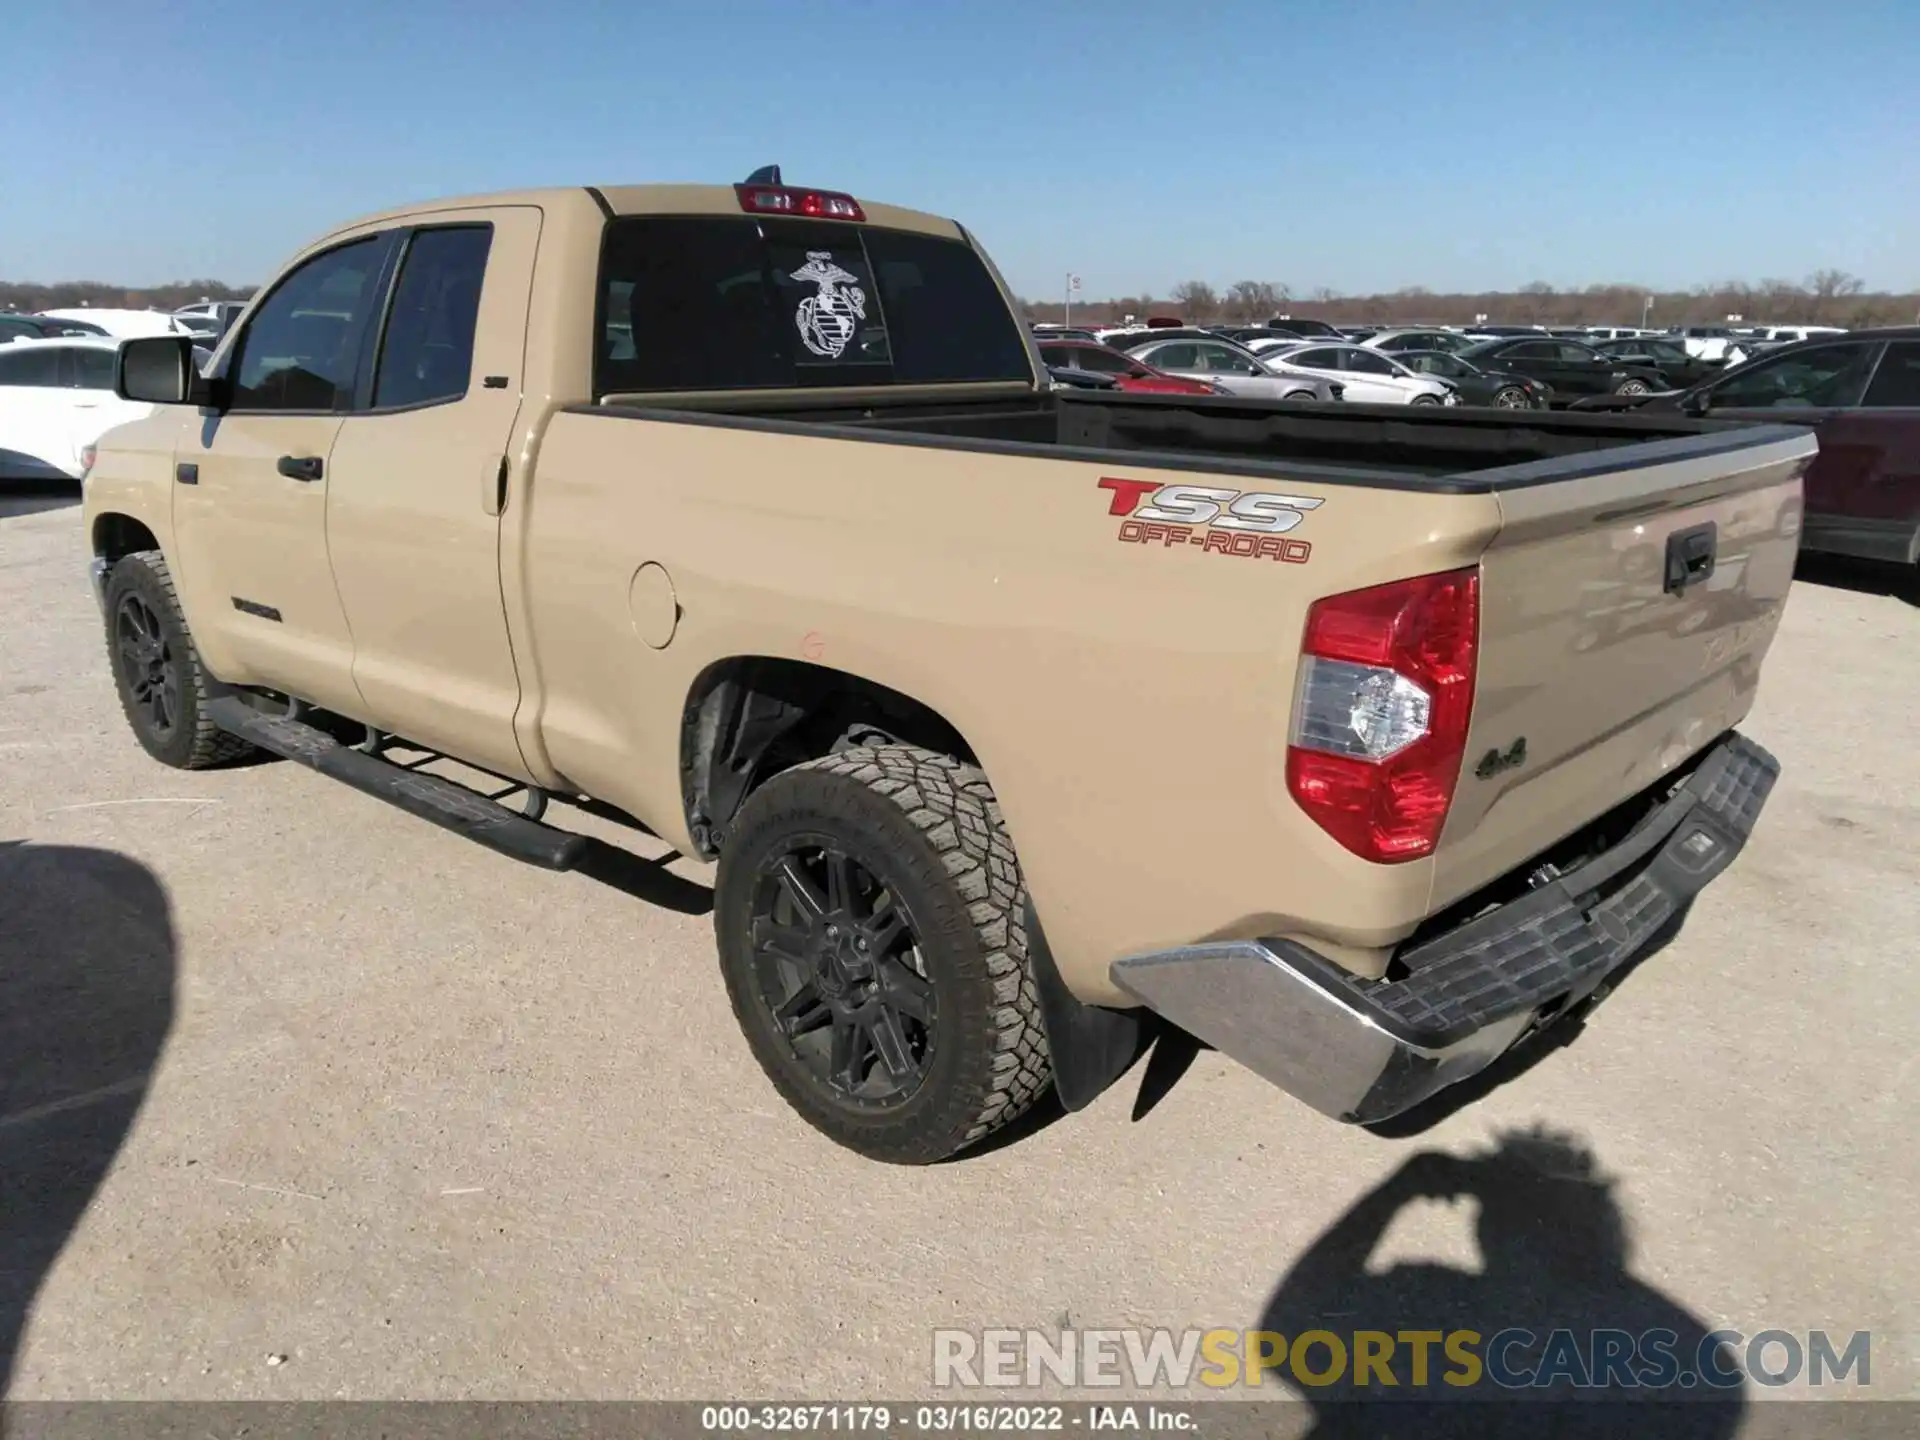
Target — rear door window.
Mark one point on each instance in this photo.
(724, 303)
(1896, 384)
(426, 355)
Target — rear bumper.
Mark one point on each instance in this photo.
(1364, 1050)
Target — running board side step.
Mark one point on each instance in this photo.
(449, 805)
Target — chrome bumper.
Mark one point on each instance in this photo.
(1365, 1050)
(97, 577)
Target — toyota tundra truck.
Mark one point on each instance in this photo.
(1358, 743)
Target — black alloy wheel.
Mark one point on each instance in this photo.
(837, 957)
(148, 667)
(870, 914)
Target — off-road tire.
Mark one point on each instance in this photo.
(931, 825)
(193, 742)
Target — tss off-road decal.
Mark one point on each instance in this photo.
(1247, 523)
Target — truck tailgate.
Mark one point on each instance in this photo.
(1598, 671)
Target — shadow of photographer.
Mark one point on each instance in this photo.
(1555, 1254)
(87, 965)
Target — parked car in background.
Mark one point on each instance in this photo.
(122, 324)
(1596, 333)
(1234, 370)
(1660, 353)
(41, 327)
(56, 399)
(1370, 377)
(1497, 388)
(1305, 328)
(1861, 394)
(1571, 368)
(1706, 342)
(1123, 371)
(1494, 332)
(1249, 335)
(221, 312)
(1075, 379)
(1791, 334)
(1415, 338)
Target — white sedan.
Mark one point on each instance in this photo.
(1371, 377)
(56, 399)
(123, 324)
(1234, 370)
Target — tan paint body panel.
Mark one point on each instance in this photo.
(1612, 681)
(1130, 701)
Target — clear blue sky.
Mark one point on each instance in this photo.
(1358, 144)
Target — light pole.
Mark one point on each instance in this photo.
(1646, 314)
(1073, 284)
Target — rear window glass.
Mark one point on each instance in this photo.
(719, 303)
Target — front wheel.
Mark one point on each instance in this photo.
(1511, 397)
(1426, 399)
(156, 668)
(870, 917)
(1633, 387)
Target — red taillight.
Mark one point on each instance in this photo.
(1381, 711)
(809, 204)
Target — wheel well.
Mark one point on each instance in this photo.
(115, 536)
(750, 717)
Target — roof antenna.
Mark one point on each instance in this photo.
(765, 175)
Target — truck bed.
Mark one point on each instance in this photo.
(1391, 446)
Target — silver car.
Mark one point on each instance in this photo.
(1236, 370)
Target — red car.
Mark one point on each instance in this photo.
(1127, 372)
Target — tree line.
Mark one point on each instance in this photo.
(1827, 297)
(71, 294)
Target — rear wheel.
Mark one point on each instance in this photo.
(870, 917)
(1511, 397)
(157, 670)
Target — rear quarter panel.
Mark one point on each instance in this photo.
(1129, 700)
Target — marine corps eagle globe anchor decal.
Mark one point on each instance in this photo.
(826, 320)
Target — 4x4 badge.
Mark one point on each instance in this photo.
(1494, 761)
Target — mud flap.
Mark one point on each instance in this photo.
(1091, 1045)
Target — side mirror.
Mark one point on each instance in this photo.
(158, 370)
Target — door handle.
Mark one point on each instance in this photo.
(300, 467)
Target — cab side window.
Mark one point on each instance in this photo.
(93, 367)
(1829, 375)
(426, 355)
(300, 349)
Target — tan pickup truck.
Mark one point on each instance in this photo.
(1360, 743)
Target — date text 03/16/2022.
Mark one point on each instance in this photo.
(1249, 524)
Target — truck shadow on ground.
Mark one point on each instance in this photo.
(1555, 1256)
(30, 497)
(87, 962)
(1863, 577)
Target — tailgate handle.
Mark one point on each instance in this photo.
(1690, 556)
